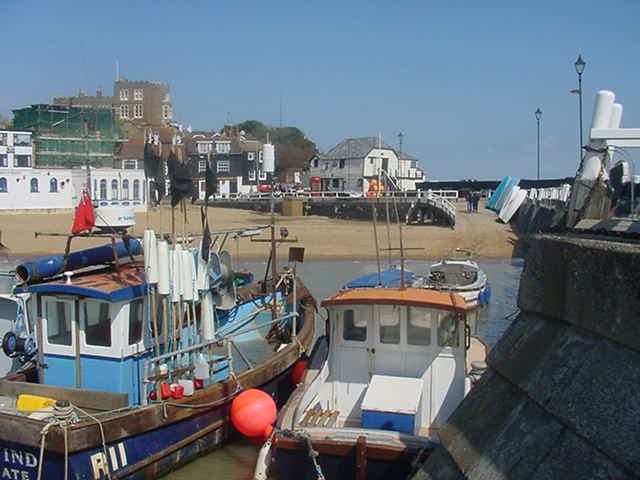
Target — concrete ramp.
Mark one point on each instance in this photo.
(431, 208)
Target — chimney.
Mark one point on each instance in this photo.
(99, 92)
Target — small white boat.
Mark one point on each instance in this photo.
(393, 366)
(512, 204)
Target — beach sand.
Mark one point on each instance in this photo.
(323, 238)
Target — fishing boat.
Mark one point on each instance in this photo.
(139, 359)
(379, 385)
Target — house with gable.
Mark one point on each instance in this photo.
(353, 163)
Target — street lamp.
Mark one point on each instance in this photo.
(538, 115)
(580, 64)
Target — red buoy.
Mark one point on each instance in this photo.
(297, 372)
(253, 412)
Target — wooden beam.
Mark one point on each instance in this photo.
(361, 458)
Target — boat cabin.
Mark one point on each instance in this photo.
(93, 334)
(395, 340)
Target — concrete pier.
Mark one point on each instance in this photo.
(561, 399)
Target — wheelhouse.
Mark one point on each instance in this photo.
(92, 331)
(396, 335)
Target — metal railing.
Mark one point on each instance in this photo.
(335, 194)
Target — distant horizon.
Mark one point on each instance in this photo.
(460, 80)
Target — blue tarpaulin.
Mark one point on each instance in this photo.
(388, 279)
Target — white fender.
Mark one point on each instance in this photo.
(264, 460)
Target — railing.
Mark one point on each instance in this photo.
(171, 366)
(333, 194)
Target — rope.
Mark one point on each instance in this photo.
(104, 442)
(301, 435)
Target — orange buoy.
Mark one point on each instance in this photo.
(297, 372)
(253, 412)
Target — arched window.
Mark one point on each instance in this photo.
(53, 185)
(34, 185)
(103, 189)
(125, 189)
(3, 185)
(114, 189)
(136, 189)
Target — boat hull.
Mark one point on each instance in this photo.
(342, 460)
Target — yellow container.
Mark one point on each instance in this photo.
(33, 402)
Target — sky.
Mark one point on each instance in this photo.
(460, 79)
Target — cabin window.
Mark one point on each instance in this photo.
(58, 315)
(389, 324)
(353, 330)
(97, 324)
(419, 327)
(135, 321)
(448, 335)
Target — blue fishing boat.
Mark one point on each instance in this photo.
(136, 362)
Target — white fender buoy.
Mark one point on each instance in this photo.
(150, 256)
(186, 266)
(163, 268)
(264, 459)
(208, 319)
(176, 277)
(602, 110)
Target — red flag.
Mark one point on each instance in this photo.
(85, 218)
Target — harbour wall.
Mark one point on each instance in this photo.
(561, 397)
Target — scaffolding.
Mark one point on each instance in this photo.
(71, 136)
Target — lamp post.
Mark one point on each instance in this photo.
(579, 65)
(538, 115)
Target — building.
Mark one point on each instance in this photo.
(60, 188)
(68, 137)
(354, 162)
(16, 149)
(137, 104)
(236, 162)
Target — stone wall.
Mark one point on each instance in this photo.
(561, 398)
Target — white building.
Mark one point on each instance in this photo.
(354, 162)
(25, 188)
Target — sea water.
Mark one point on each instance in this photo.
(236, 460)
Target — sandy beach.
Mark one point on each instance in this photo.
(323, 238)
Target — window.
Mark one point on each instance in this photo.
(124, 94)
(389, 324)
(21, 140)
(223, 166)
(53, 185)
(167, 97)
(204, 147)
(315, 163)
(124, 111)
(360, 182)
(352, 329)
(263, 176)
(419, 326)
(251, 156)
(202, 165)
(252, 174)
(260, 156)
(135, 321)
(125, 189)
(166, 112)
(22, 161)
(4, 160)
(130, 164)
(97, 326)
(448, 335)
(137, 94)
(103, 189)
(3, 185)
(34, 185)
(335, 183)
(58, 315)
(223, 147)
(341, 163)
(136, 189)
(385, 164)
(137, 110)
(114, 189)
(3, 138)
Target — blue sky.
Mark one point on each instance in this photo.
(460, 79)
